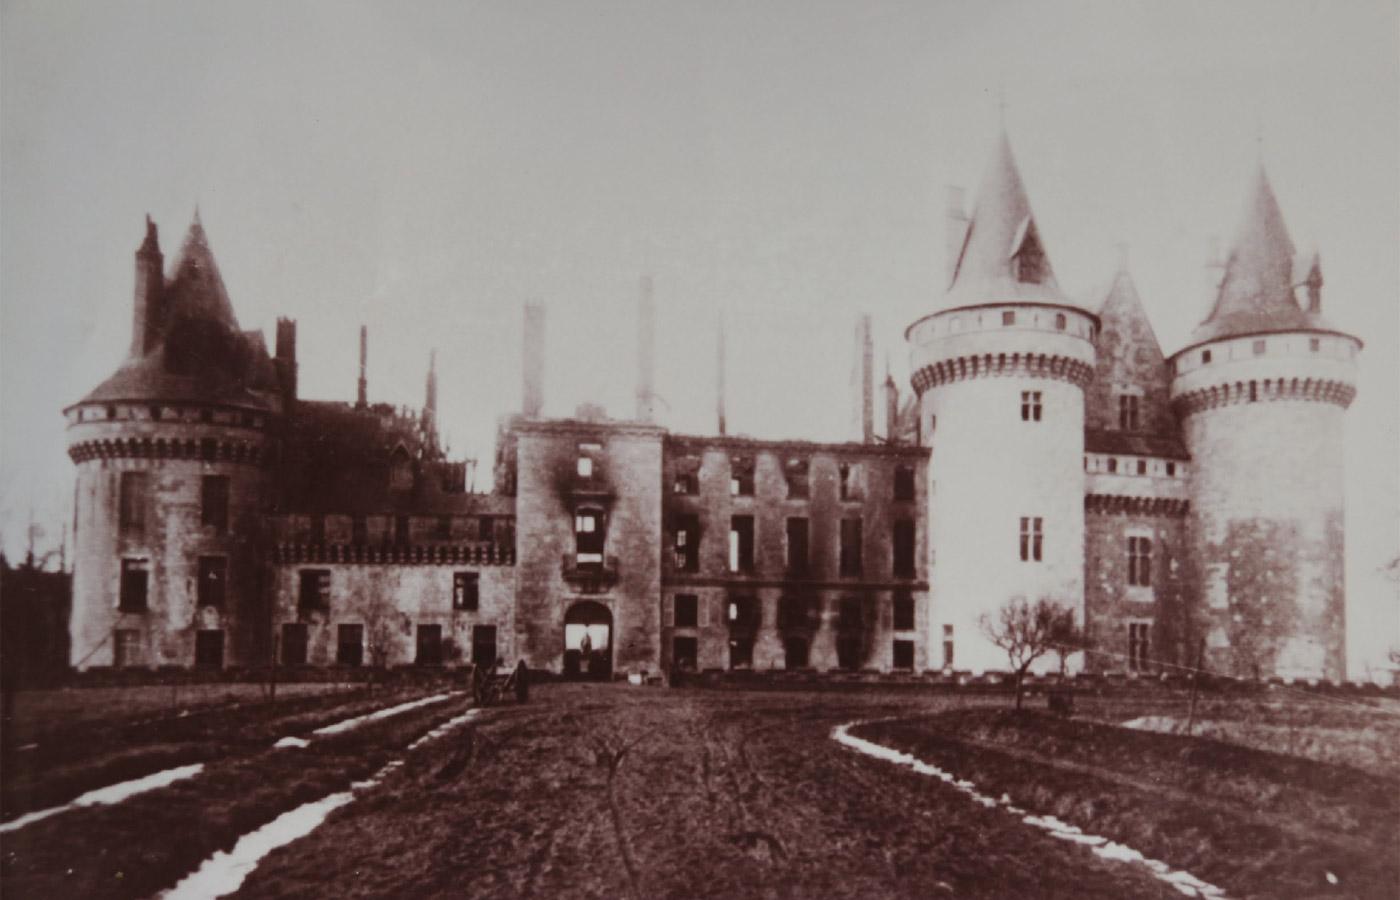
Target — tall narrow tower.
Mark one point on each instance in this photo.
(1000, 371)
(1262, 388)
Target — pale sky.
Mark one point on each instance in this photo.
(425, 168)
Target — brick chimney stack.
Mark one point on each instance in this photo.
(863, 380)
(148, 308)
(286, 358)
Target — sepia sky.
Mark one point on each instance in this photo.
(425, 168)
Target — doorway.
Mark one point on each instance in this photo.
(588, 641)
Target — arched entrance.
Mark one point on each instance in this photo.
(588, 641)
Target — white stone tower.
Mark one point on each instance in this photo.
(1000, 371)
(1262, 389)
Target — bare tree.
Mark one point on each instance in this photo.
(1026, 632)
(381, 620)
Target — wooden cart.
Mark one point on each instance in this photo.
(492, 686)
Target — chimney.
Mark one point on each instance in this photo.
(532, 358)
(430, 402)
(892, 435)
(719, 370)
(148, 313)
(863, 380)
(956, 230)
(362, 393)
(286, 359)
(646, 353)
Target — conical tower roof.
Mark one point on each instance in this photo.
(196, 290)
(1256, 294)
(1002, 257)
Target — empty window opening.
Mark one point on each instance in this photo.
(740, 652)
(685, 653)
(947, 646)
(1030, 406)
(741, 477)
(797, 546)
(1128, 412)
(294, 640)
(126, 648)
(687, 611)
(466, 591)
(213, 507)
(1140, 561)
(903, 540)
(687, 479)
(743, 612)
(1031, 537)
(315, 589)
(1205, 357)
(795, 652)
(741, 544)
(1139, 648)
(687, 543)
(798, 612)
(1171, 470)
(429, 650)
(903, 611)
(904, 482)
(904, 654)
(850, 546)
(795, 472)
(209, 648)
(486, 528)
(1112, 465)
(484, 646)
(588, 537)
(350, 645)
(1142, 467)
(132, 505)
(213, 578)
(585, 467)
(135, 581)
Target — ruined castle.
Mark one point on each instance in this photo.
(1186, 507)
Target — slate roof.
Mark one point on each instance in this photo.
(1131, 443)
(1256, 294)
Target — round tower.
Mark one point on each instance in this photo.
(172, 455)
(1000, 373)
(1262, 389)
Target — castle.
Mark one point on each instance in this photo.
(1186, 507)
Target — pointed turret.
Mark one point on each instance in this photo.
(197, 289)
(148, 308)
(1002, 258)
(1256, 293)
(1129, 364)
(430, 403)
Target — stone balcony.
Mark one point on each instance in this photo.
(587, 577)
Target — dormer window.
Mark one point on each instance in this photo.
(400, 471)
(1029, 260)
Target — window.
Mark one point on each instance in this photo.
(685, 653)
(1031, 536)
(400, 471)
(585, 467)
(687, 546)
(132, 594)
(486, 529)
(795, 652)
(359, 530)
(318, 530)
(588, 537)
(687, 612)
(1260, 347)
(126, 648)
(850, 547)
(795, 473)
(1030, 406)
(904, 482)
(686, 483)
(740, 651)
(350, 645)
(798, 612)
(429, 651)
(947, 646)
(797, 546)
(209, 648)
(293, 644)
(1254, 392)
(1140, 561)
(588, 454)
(213, 509)
(849, 481)
(743, 612)
(1142, 467)
(1138, 645)
(442, 528)
(484, 646)
(1205, 357)
(1060, 321)
(903, 611)
(1171, 470)
(1008, 318)
(466, 591)
(213, 575)
(209, 450)
(1314, 344)
(741, 544)
(1127, 412)
(315, 589)
(904, 548)
(741, 477)
(132, 506)
(401, 531)
(1112, 465)
(904, 654)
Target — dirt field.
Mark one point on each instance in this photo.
(618, 791)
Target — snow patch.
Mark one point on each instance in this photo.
(290, 741)
(1184, 882)
(350, 724)
(113, 793)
